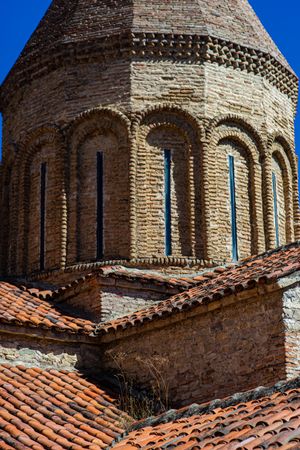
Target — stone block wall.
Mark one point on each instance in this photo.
(230, 347)
(291, 315)
(103, 300)
(43, 353)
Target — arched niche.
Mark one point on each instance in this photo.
(282, 191)
(243, 198)
(98, 134)
(5, 217)
(234, 138)
(42, 207)
(162, 131)
(44, 156)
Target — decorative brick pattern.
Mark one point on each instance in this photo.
(181, 77)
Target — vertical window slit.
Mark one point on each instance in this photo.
(235, 255)
(100, 226)
(167, 195)
(43, 215)
(275, 199)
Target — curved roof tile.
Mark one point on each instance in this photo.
(21, 308)
(265, 268)
(262, 418)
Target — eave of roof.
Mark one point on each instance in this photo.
(263, 269)
(20, 308)
(259, 418)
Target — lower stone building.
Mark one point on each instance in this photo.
(148, 151)
(66, 361)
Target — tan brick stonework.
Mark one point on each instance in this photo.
(136, 87)
(220, 354)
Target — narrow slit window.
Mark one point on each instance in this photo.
(235, 255)
(167, 195)
(100, 200)
(275, 199)
(43, 215)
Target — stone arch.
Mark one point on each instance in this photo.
(42, 144)
(284, 158)
(248, 148)
(108, 131)
(154, 130)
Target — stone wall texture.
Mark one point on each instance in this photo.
(217, 353)
(103, 301)
(43, 353)
(131, 97)
(291, 301)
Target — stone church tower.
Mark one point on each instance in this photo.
(154, 133)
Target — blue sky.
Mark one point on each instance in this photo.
(18, 18)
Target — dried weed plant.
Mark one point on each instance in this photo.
(140, 404)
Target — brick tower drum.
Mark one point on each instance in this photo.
(146, 132)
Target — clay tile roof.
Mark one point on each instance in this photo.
(55, 410)
(266, 268)
(21, 308)
(260, 419)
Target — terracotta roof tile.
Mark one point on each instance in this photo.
(21, 308)
(51, 409)
(122, 273)
(265, 268)
(258, 419)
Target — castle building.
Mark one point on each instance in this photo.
(149, 223)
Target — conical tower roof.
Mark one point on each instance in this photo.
(70, 21)
(76, 31)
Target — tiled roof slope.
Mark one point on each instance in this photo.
(261, 419)
(265, 268)
(119, 273)
(47, 409)
(21, 308)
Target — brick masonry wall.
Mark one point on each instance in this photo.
(211, 355)
(190, 107)
(224, 93)
(151, 193)
(282, 169)
(63, 94)
(115, 201)
(52, 225)
(230, 91)
(222, 225)
(118, 302)
(281, 207)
